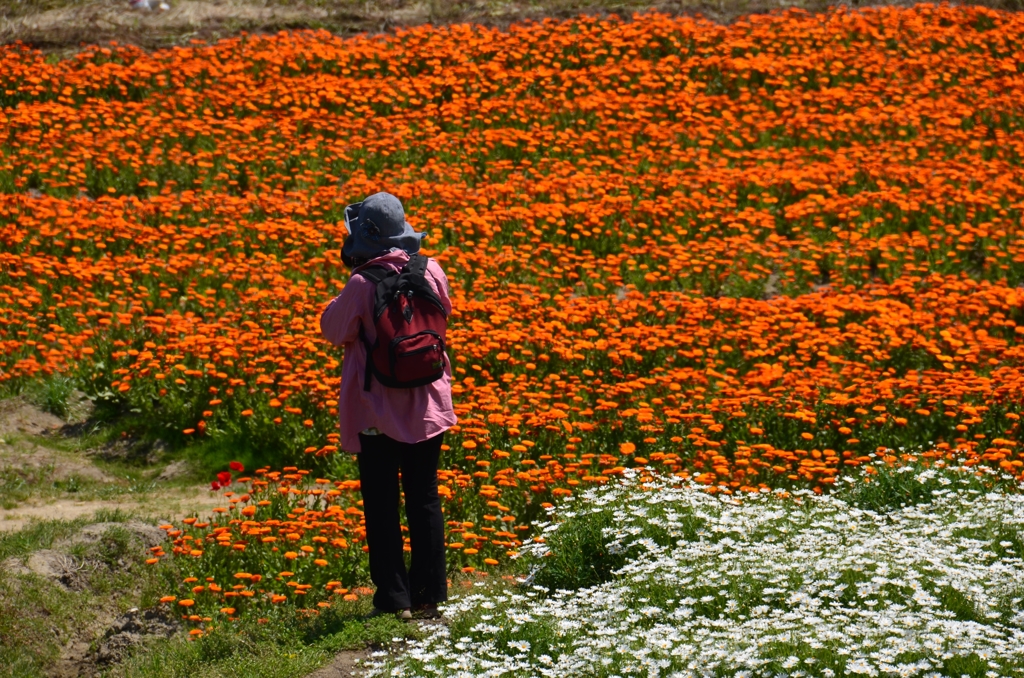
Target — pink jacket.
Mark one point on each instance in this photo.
(409, 415)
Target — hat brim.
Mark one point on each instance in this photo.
(351, 214)
(357, 247)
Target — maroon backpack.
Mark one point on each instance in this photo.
(410, 321)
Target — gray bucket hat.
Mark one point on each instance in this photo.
(376, 225)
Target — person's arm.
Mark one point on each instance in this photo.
(440, 282)
(339, 322)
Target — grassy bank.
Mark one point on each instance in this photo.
(78, 597)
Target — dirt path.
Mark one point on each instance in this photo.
(346, 664)
(100, 21)
(171, 505)
(62, 26)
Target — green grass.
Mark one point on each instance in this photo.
(33, 612)
(112, 423)
(913, 483)
(43, 534)
(56, 395)
(580, 556)
(18, 484)
(287, 644)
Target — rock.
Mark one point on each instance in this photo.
(131, 629)
(129, 450)
(80, 408)
(158, 452)
(771, 288)
(174, 470)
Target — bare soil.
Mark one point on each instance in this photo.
(18, 416)
(346, 664)
(63, 26)
(29, 456)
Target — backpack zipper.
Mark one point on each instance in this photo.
(432, 347)
(393, 346)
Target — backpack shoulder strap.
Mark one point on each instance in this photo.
(383, 292)
(373, 273)
(417, 266)
(414, 277)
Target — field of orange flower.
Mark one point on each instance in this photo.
(751, 254)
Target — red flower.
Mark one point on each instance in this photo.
(236, 466)
(214, 485)
(224, 477)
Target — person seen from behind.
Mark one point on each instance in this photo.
(396, 400)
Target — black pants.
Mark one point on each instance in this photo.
(380, 461)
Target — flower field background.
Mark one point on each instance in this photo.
(751, 255)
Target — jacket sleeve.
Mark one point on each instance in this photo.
(339, 323)
(440, 282)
